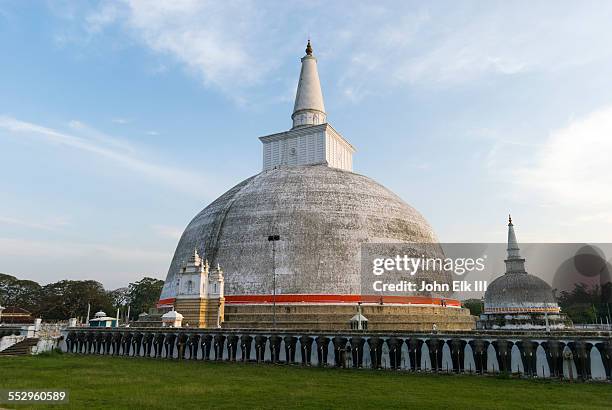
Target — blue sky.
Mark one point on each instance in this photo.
(119, 121)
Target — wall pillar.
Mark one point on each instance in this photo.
(116, 343)
(376, 344)
(306, 346)
(528, 348)
(457, 350)
(435, 353)
(126, 343)
(503, 351)
(340, 356)
(554, 356)
(192, 344)
(395, 352)
(219, 343)
(136, 344)
(322, 347)
(169, 343)
(414, 350)
(605, 349)
(260, 347)
(582, 357)
(148, 344)
(479, 349)
(290, 347)
(206, 343)
(232, 347)
(357, 343)
(245, 347)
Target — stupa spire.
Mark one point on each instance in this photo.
(514, 262)
(194, 259)
(308, 48)
(309, 108)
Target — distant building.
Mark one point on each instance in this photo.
(16, 315)
(519, 300)
(101, 320)
(172, 319)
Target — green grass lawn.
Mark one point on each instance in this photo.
(109, 382)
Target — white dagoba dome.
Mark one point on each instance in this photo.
(308, 195)
(322, 216)
(517, 290)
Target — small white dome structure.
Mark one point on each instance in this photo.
(172, 319)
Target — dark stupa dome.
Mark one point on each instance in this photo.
(518, 290)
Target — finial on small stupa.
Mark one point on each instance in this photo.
(308, 48)
(509, 219)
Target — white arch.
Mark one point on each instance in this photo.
(598, 371)
(542, 368)
(425, 359)
(331, 353)
(282, 355)
(469, 365)
(405, 357)
(569, 368)
(492, 363)
(516, 360)
(447, 359)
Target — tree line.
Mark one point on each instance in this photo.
(70, 298)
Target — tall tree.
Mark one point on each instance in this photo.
(120, 297)
(474, 305)
(69, 298)
(25, 294)
(587, 304)
(143, 295)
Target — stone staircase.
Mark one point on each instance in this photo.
(22, 348)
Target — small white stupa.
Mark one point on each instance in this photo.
(172, 319)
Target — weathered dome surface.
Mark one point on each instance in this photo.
(518, 290)
(322, 215)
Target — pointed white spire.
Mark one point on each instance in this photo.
(514, 262)
(309, 109)
(194, 259)
(513, 248)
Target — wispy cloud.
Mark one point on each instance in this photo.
(374, 47)
(109, 148)
(90, 133)
(51, 224)
(565, 180)
(171, 232)
(106, 14)
(572, 168)
(196, 34)
(121, 121)
(49, 261)
(65, 249)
